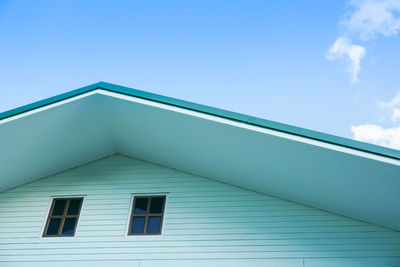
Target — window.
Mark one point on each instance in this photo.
(63, 217)
(147, 215)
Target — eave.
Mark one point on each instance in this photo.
(251, 120)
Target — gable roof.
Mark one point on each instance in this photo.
(321, 170)
(268, 124)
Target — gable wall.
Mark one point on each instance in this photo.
(207, 223)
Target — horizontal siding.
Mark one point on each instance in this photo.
(205, 220)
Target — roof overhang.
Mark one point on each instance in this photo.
(336, 174)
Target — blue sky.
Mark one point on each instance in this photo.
(323, 65)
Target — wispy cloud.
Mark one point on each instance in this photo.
(394, 106)
(392, 103)
(372, 133)
(366, 20)
(395, 114)
(344, 49)
(372, 17)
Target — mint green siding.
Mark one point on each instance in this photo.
(207, 223)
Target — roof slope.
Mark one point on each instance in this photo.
(328, 138)
(324, 171)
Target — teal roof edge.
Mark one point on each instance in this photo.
(281, 127)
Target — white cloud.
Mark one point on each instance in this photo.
(394, 102)
(367, 19)
(372, 133)
(394, 107)
(372, 17)
(343, 48)
(375, 134)
(395, 114)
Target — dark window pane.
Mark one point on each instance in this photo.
(69, 226)
(141, 205)
(153, 226)
(156, 205)
(138, 225)
(54, 225)
(59, 207)
(74, 206)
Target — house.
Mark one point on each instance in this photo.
(111, 176)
